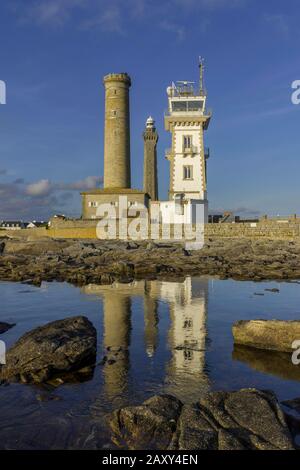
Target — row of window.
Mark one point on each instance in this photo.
(95, 203)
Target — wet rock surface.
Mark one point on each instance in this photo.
(274, 335)
(45, 353)
(84, 261)
(245, 419)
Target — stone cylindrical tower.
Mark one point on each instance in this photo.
(117, 131)
(150, 159)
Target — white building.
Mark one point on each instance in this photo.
(186, 119)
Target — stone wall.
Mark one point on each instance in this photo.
(272, 230)
(87, 229)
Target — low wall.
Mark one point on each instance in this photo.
(87, 229)
(247, 230)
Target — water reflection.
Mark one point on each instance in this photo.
(268, 362)
(186, 338)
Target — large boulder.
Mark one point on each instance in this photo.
(149, 426)
(56, 348)
(275, 335)
(245, 419)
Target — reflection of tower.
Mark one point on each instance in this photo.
(117, 133)
(187, 301)
(117, 327)
(151, 320)
(187, 336)
(150, 159)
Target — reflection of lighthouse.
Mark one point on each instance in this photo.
(185, 371)
(116, 336)
(117, 327)
(187, 336)
(151, 320)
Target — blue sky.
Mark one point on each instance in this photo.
(54, 54)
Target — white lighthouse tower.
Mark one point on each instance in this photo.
(187, 119)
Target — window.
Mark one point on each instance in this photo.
(195, 105)
(93, 204)
(179, 106)
(188, 172)
(187, 141)
(187, 106)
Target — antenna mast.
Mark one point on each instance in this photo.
(201, 69)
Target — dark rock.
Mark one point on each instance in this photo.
(82, 262)
(245, 419)
(149, 426)
(6, 326)
(33, 282)
(2, 246)
(57, 348)
(272, 290)
(132, 246)
(186, 252)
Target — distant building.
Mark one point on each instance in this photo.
(214, 218)
(36, 224)
(12, 225)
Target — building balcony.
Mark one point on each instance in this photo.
(190, 150)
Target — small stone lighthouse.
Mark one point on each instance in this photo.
(117, 131)
(150, 159)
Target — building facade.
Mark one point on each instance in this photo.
(187, 119)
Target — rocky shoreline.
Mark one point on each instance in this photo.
(246, 419)
(243, 419)
(81, 262)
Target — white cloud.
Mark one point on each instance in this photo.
(90, 182)
(40, 199)
(40, 188)
(44, 187)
